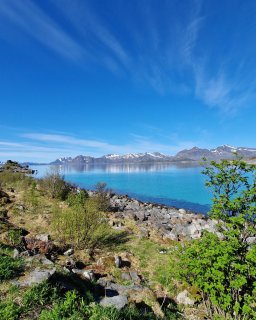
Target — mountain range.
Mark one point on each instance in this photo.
(194, 154)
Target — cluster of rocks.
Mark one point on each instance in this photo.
(169, 223)
(42, 266)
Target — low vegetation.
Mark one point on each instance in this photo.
(218, 270)
(54, 185)
(223, 266)
(81, 225)
(9, 267)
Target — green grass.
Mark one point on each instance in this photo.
(9, 267)
(9, 310)
(15, 179)
(41, 295)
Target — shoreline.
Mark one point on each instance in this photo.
(169, 223)
(150, 200)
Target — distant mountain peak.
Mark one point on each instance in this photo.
(193, 154)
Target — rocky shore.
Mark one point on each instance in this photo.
(168, 222)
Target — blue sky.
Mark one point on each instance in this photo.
(117, 76)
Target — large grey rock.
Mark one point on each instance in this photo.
(36, 276)
(251, 240)
(134, 276)
(119, 302)
(126, 276)
(185, 298)
(38, 259)
(43, 237)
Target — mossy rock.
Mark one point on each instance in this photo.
(5, 200)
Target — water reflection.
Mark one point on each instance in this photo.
(178, 184)
(127, 167)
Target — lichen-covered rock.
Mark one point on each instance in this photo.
(185, 298)
(119, 302)
(36, 276)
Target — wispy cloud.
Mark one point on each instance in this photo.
(45, 147)
(218, 83)
(27, 15)
(219, 91)
(65, 139)
(157, 50)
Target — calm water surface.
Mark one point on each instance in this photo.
(180, 185)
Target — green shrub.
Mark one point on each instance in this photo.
(9, 267)
(102, 196)
(31, 197)
(84, 227)
(77, 199)
(224, 269)
(55, 186)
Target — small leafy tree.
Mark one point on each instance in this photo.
(77, 198)
(102, 196)
(223, 267)
(55, 185)
(82, 226)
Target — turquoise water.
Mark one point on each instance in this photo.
(180, 186)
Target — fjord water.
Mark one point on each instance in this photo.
(181, 185)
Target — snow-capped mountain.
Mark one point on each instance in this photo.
(222, 152)
(194, 154)
(116, 158)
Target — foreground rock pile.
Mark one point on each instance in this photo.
(169, 223)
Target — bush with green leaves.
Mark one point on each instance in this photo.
(77, 198)
(223, 266)
(102, 196)
(55, 185)
(31, 197)
(82, 226)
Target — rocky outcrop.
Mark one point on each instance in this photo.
(35, 277)
(169, 223)
(13, 166)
